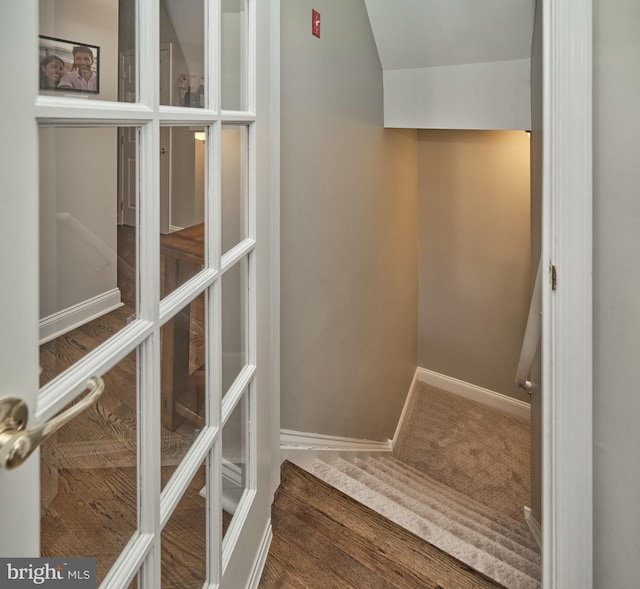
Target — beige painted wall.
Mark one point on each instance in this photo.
(348, 230)
(185, 200)
(473, 228)
(233, 57)
(616, 293)
(78, 184)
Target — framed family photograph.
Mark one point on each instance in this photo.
(69, 66)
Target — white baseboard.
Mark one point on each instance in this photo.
(302, 448)
(405, 409)
(261, 558)
(534, 526)
(294, 440)
(59, 323)
(475, 393)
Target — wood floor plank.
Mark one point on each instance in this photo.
(309, 569)
(335, 563)
(278, 574)
(372, 552)
(391, 554)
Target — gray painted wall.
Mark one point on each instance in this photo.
(616, 291)
(474, 255)
(348, 231)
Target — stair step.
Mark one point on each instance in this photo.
(478, 558)
(448, 519)
(354, 546)
(424, 501)
(459, 496)
(468, 506)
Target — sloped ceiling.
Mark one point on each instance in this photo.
(426, 33)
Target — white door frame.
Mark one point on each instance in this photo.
(567, 478)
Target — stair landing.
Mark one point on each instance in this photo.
(324, 539)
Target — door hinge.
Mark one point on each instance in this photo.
(554, 276)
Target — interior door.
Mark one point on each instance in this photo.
(19, 509)
(128, 144)
(165, 139)
(166, 477)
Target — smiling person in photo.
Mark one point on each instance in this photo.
(51, 71)
(81, 77)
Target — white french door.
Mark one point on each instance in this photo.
(167, 478)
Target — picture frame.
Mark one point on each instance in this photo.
(68, 66)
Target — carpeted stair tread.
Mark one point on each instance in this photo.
(459, 495)
(479, 450)
(476, 508)
(500, 571)
(421, 497)
(447, 518)
(467, 505)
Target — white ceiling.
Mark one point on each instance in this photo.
(427, 33)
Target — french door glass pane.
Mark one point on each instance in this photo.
(235, 459)
(183, 354)
(234, 185)
(87, 49)
(182, 211)
(234, 322)
(234, 54)
(184, 539)
(88, 195)
(88, 473)
(182, 63)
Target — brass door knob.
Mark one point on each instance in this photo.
(17, 443)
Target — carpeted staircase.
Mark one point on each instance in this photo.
(475, 534)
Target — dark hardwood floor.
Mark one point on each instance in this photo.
(324, 539)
